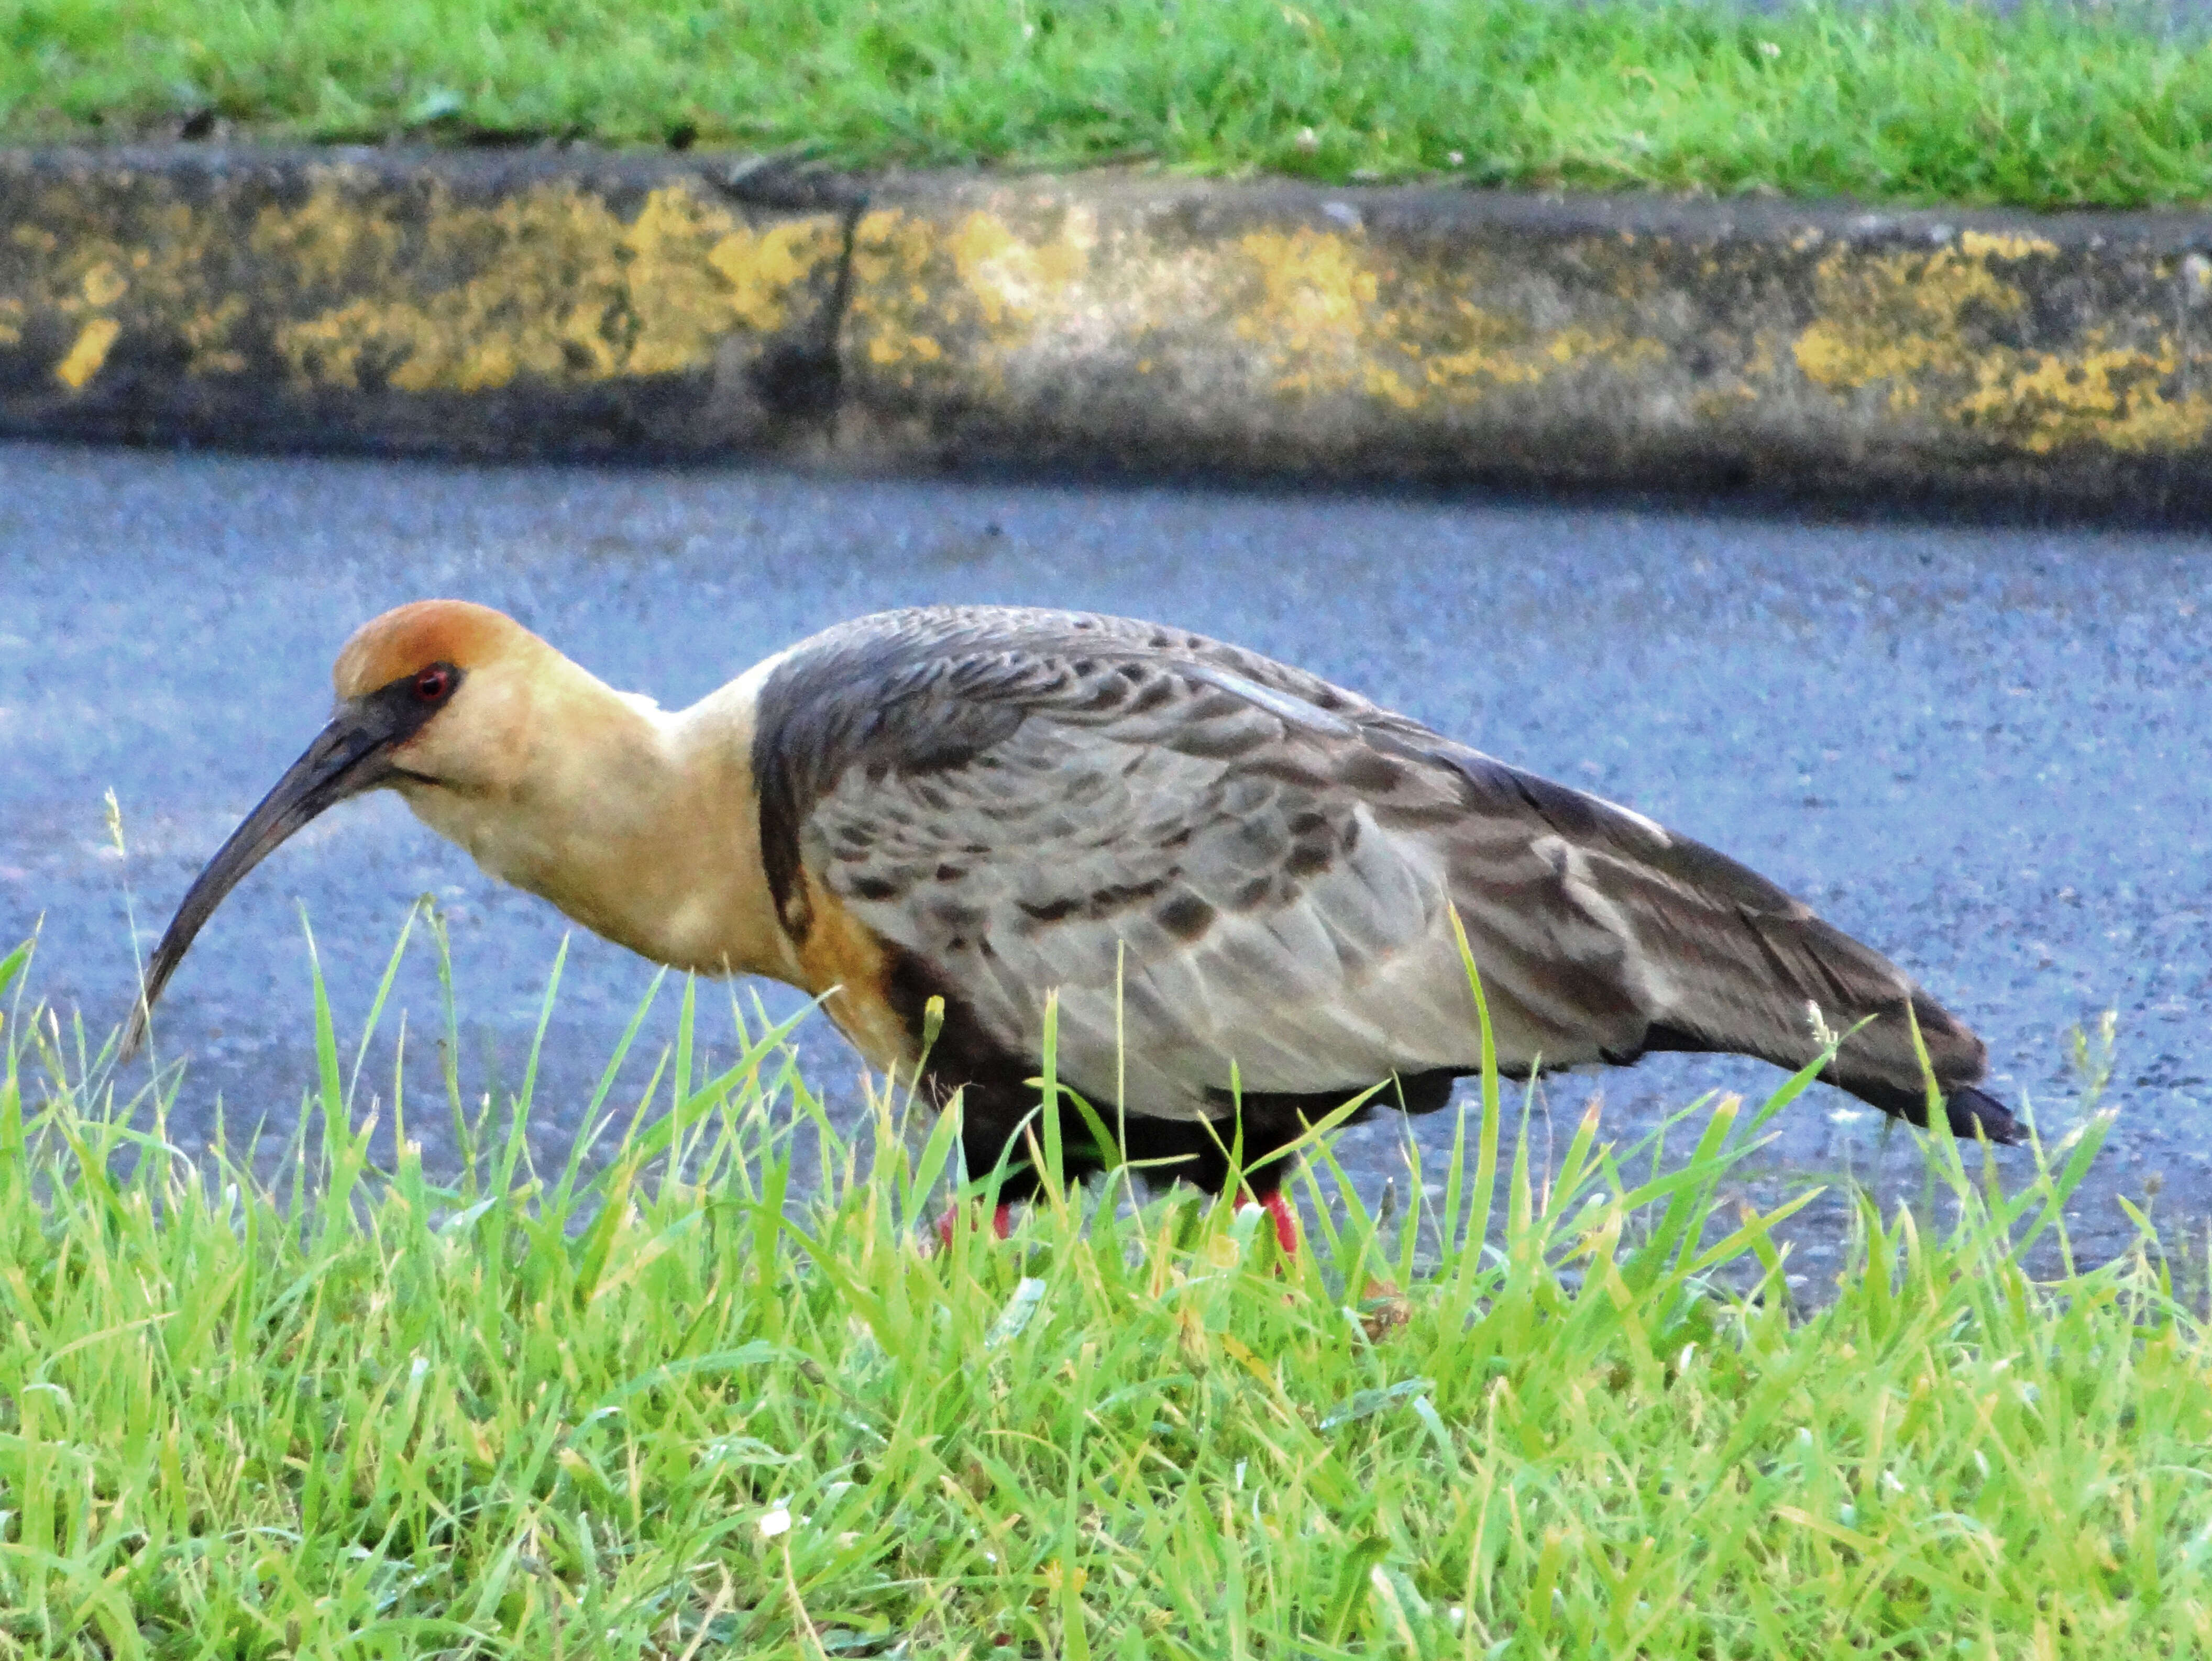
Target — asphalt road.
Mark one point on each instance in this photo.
(1981, 749)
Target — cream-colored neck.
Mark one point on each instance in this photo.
(641, 826)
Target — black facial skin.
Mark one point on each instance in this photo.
(350, 755)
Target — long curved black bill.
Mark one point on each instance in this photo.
(349, 755)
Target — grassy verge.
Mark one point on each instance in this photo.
(669, 1409)
(1915, 101)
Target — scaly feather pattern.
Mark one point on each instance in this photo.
(1249, 875)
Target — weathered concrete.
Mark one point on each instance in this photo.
(680, 306)
(1444, 333)
(485, 305)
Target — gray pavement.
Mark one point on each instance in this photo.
(1981, 749)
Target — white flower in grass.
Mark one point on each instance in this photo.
(775, 1521)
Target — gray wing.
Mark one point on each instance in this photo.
(1233, 872)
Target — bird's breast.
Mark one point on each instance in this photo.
(843, 961)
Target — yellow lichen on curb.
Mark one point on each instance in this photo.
(918, 285)
(72, 267)
(2116, 396)
(1982, 246)
(1894, 319)
(1317, 293)
(1334, 314)
(986, 297)
(552, 281)
(1013, 281)
(560, 288)
(1015, 293)
(1271, 326)
(87, 354)
(104, 285)
(1916, 327)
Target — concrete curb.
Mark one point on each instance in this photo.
(687, 306)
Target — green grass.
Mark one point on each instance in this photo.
(660, 1404)
(1919, 101)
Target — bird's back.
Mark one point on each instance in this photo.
(1239, 875)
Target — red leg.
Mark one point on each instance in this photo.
(1002, 1223)
(1285, 1218)
(1287, 1221)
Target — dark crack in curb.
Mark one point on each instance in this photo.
(802, 380)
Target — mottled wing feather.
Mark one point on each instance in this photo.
(1225, 863)
(1714, 956)
(1246, 910)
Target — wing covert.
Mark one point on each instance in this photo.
(1233, 871)
(1157, 821)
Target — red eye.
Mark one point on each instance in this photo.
(432, 685)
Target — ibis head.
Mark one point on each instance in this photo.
(432, 698)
